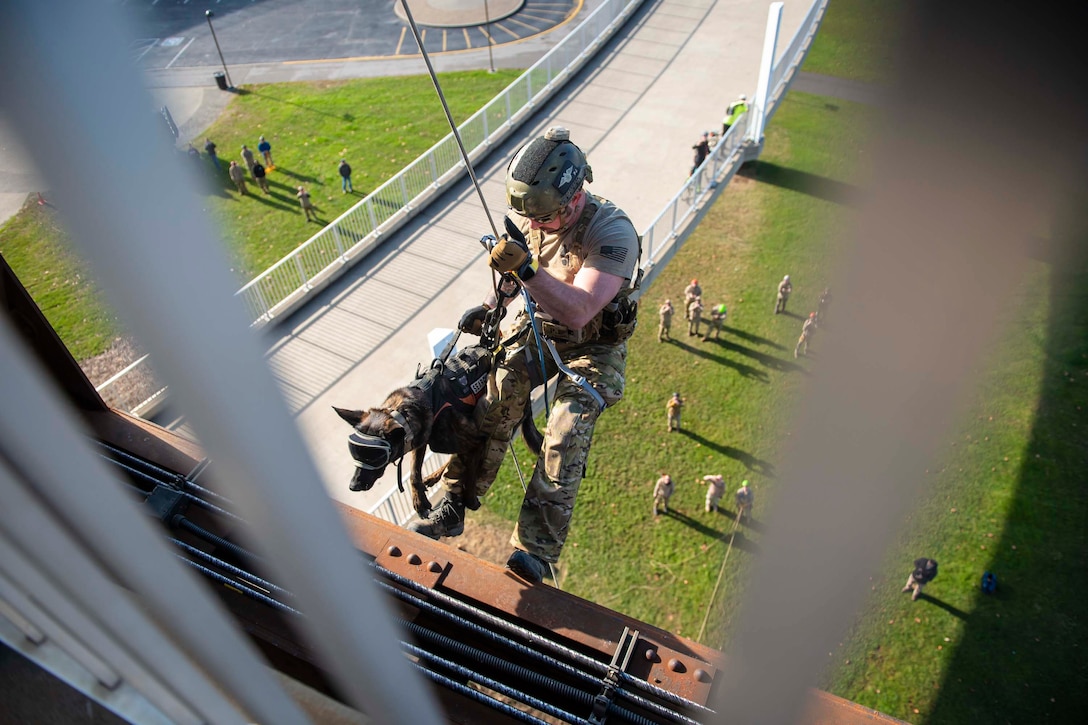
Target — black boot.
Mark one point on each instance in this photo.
(446, 520)
(529, 567)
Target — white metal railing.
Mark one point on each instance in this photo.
(667, 232)
(319, 260)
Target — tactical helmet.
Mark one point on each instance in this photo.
(545, 174)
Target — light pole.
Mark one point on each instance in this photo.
(209, 15)
(487, 18)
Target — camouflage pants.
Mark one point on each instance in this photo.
(549, 499)
(663, 330)
(715, 326)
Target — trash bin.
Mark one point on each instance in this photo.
(220, 80)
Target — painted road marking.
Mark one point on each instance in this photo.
(185, 48)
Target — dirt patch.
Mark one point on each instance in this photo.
(486, 538)
(120, 354)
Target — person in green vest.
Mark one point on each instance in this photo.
(735, 110)
(717, 319)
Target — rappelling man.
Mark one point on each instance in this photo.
(577, 256)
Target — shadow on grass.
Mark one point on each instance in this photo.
(743, 543)
(762, 358)
(746, 370)
(749, 337)
(820, 187)
(944, 605)
(1032, 631)
(700, 526)
(749, 461)
(294, 175)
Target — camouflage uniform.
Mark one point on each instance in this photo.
(806, 333)
(662, 493)
(717, 318)
(549, 498)
(714, 492)
(665, 312)
(692, 291)
(672, 408)
(744, 499)
(785, 287)
(695, 316)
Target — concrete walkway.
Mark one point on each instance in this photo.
(636, 113)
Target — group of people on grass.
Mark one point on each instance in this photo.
(258, 172)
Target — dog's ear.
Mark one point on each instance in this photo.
(351, 416)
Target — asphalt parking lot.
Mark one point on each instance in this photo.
(171, 34)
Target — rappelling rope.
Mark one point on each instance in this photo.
(453, 128)
(717, 584)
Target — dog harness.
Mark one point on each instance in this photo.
(454, 385)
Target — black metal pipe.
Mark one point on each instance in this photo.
(244, 590)
(495, 685)
(183, 523)
(478, 696)
(215, 561)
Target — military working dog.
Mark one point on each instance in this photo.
(435, 410)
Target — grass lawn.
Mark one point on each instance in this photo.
(856, 40)
(1008, 494)
(378, 124)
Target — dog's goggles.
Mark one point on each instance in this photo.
(370, 452)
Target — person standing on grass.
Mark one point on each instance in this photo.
(925, 571)
(807, 331)
(259, 176)
(248, 158)
(695, 316)
(692, 291)
(345, 176)
(266, 151)
(717, 319)
(744, 498)
(715, 490)
(238, 176)
(785, 288)
(665, 313)
(209, 148)
(307, 205)
(672, 410)
(662, 493)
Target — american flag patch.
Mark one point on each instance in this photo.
(616, 254)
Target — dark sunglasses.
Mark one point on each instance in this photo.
(539, 218)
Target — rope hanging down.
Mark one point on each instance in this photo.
(453, 126)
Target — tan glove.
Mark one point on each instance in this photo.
(511, 253)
